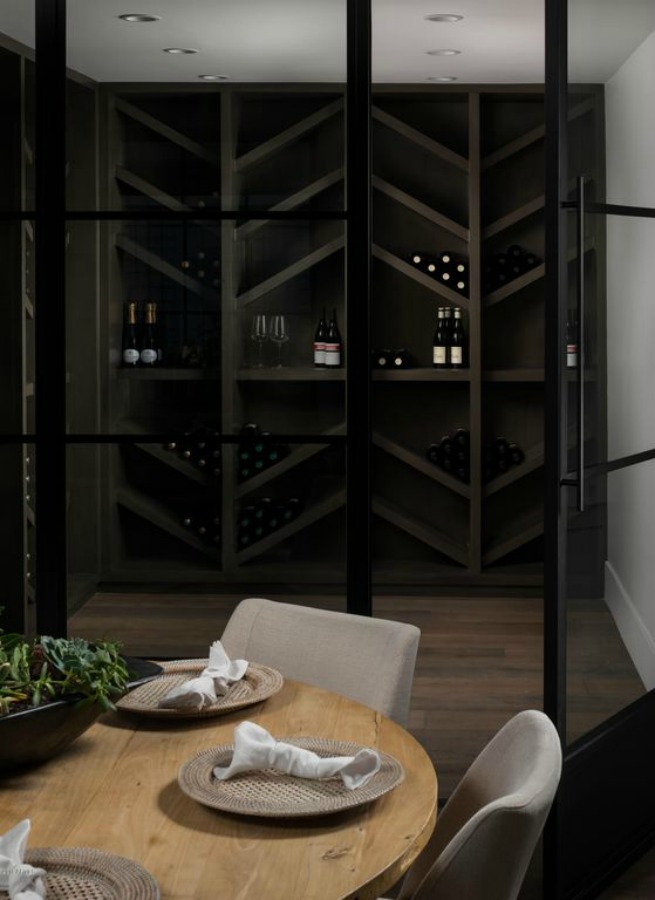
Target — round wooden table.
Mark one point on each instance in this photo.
(116, 789)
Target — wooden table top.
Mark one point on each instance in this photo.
(116, 789)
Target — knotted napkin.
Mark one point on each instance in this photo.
(23, 882)
(215, 679)
(255, 748)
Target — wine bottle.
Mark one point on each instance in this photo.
(448, 332)
(130, 337)
(150, 352)
(571, 343)
(381, 359)
(457, 341)
(333, 343)
(439, 347)
(462, 439)
(400, 359)
(433, 454)
(516, 455)
(320, 338)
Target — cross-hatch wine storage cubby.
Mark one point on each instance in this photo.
(455, 170)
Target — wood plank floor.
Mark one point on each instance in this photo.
(480, 661)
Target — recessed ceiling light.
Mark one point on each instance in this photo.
(179, 50)
(214, 77)
(443, 52)
(444, 17)
(442, 78)
(139, 17)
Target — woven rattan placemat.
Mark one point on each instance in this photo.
(82, 873)
(258, 683)
(274, 794)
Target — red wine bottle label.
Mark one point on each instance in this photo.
(319, 353)
(332, 354)
(571, 356)
(439, 356)
(456, 356)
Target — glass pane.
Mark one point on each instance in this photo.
(610, 608)
(17, 342)
(17, 537)
(191, 512)
(193, 121)
(17, 101)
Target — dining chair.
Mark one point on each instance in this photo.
(366, 659)
(489, 828)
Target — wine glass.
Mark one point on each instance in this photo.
(259, 333)
(279, 335)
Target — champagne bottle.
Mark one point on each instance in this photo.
(457, 341)
(130, 337)
(150, 352)
(319, 341)
(439, 349)
(333, 343)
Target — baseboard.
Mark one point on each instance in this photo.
(636, 637)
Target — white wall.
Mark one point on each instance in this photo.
(630, 131)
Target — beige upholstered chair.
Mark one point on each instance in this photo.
(367, 659)
(488, 830)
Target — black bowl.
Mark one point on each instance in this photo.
(35, 735)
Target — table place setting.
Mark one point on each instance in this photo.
(192, 688)
(68, 873)
(260, 775)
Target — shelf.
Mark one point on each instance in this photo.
(306, 518)
(176, 137)
(127, 245)
(168, 374)
(420, 464)
(292, 373)
(258, 154)
(515, 146)
(517, 215)
(417, 137)
(158, 514)
(428, 534)
(514, 375)
(412, 272)
(520, 531)
(293, 201)
(421, 374)
(149, 190)
(301, 454)
(514, 286)
(422, 209)
(533, 460)
(292, 271)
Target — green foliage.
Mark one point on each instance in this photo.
(36, 672)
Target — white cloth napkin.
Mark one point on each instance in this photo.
(22, 881)
(255, 748)
(215, 679)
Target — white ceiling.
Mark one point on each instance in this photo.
(304, 40)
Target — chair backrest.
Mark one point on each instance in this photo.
(490, 826)
(366, 659)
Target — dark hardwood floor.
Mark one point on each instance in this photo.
(480, 661)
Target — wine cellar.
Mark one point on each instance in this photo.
(456, 170)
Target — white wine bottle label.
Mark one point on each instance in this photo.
(148, 356)
(456, 356)
(130, 356)
(571, 356)
(319, 354)
(332, 355)
(439, 356)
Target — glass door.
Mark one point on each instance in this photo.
(600, 613)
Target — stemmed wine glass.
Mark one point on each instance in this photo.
(279, 335)
(259, 333)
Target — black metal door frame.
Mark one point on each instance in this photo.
(50, 396)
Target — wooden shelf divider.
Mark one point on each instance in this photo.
(420, 139)
(519, 531)
(428, 534)
(155, 262)
(150, 190)
(421, 464)
(412, 272)
(171, 134)
(533, 460)
(422, 209)
(515, 216)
